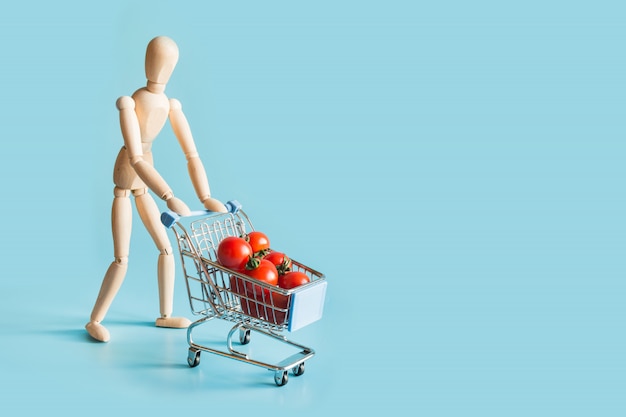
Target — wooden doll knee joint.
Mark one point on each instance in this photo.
(121, 192)
(140, 191)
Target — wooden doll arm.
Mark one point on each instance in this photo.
(197, 173)
(145, 170)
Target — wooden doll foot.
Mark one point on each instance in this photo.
(173, 322)
(98, 331)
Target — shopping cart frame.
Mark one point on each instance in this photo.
(216, 292)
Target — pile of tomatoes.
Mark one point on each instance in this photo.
(251, 255)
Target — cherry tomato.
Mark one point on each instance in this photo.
(259, 242)
(257, 301)
(292, 279)
(280, 260)
(234, 252)
(262, 270)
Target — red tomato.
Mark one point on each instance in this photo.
(262, 270)
(234, 252)
(259, 241)
(292, 279)
(280, 260)
(257, 301)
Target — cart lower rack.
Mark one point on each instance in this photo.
(216, 292)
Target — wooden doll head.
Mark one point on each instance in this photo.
(161, 58)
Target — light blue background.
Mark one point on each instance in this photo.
(456, 169)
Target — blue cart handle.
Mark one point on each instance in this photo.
(170, 218)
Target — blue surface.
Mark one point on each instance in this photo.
(456, 169)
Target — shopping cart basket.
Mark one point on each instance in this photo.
(216, 292)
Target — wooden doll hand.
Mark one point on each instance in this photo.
(214, 205)
(178, 207)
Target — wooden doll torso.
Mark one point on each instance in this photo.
(152, 111)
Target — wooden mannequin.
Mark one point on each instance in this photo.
(142, 117)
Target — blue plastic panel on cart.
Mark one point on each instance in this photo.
(307, 306)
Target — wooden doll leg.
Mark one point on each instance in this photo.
(121, 221)
(151, 217)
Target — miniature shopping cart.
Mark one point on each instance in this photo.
(216, 292)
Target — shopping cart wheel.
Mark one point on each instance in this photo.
(298, 369)
(193, 357)
(281, 378)
(244, 336)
